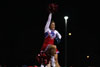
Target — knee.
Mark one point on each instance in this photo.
(53, 46)
(53, 50)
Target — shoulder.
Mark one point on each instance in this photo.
(47, 30)
(55, 31)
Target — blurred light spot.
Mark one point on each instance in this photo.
(69, 34)
(88, 57)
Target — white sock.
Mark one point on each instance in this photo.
(46, 66)
(42, 65)
(53, 61)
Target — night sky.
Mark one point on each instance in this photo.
(22, 32)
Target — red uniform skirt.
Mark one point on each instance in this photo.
(45, 47)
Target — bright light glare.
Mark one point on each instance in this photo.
(66, 17)
(88, 57)
(70, 34)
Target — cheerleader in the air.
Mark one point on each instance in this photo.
(49, 48)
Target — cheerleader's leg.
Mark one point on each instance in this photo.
(52, 52)
(56, 60)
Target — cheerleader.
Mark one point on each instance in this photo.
(48, 46)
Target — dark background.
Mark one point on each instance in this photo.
(22, 32)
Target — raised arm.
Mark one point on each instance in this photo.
(48, 22)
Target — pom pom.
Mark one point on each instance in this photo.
(53, 7)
